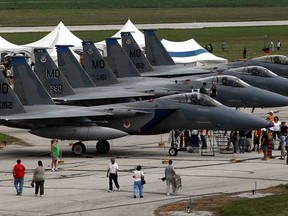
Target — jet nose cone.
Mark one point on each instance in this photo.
(276, 100)
(251, 122)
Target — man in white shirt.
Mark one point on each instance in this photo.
(112, 173)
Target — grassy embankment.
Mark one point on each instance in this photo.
(6, 139)
(227, 205)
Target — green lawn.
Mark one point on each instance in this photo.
(95, 4)
(38, 17)
(8, 139)
(235, 38)
(275, 205)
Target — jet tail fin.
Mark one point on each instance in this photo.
(9, 102)
(96, 67)
(71, 68)
(135, 53)
(27, 85)
(155, 51)
(116, 56)
(50, 75)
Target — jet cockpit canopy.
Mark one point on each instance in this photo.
(195, 99)
(254, 71)
(226, 80)
(276, 59)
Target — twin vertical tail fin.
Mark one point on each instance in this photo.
(50, 75)
(9, 102)
(155, 51)
(72, 69)
(116, 56)
(135, 53)
(27, 85)
(96, 67)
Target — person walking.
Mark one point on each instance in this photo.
(248, 147)
(264, 143)
(278, 45)
(223, 46)
(242, 141)
(271, 46)
(256, 139)
(18, 174)
(39, 179)
(55, 154)
(170, 176)
(112, 173)
(283, 137)
(138, 186)
(203, 135)
(244, 53)
(203, 88)
(276, 132)
(213, 91)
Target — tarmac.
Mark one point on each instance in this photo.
(80, 187)
(193, 25)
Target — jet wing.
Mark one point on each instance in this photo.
(117, 112)
(84, 94)
(54, 115)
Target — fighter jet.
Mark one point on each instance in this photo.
(60, 89)
(238, 94)
(275, 63)
(180, 111)
(260, 77)
(233, 93)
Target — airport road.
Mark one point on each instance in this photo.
(80, 186)
(193, 25)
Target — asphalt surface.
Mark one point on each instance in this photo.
(193, 25)
(80, 187)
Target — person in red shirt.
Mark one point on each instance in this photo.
(18, 174)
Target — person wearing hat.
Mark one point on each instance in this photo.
(271, 116)
(264, 143)
(283, 137)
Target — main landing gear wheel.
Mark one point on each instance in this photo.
(78, 149)
(173, 151)
(102, 146)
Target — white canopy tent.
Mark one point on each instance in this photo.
(190, 51)
(8, 48)
(128, 27)
(60, 35)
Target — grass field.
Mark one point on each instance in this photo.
(37, 17)
(96, 4)
(227, 205)
(235, 38)
(43, 12)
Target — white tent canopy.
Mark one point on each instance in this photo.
(190, 51)
(60, 35)
(7, 47)
(128, 27)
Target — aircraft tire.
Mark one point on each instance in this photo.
(102, 146)
(173, 151)
(78, 149)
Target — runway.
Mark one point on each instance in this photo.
(194, 25)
